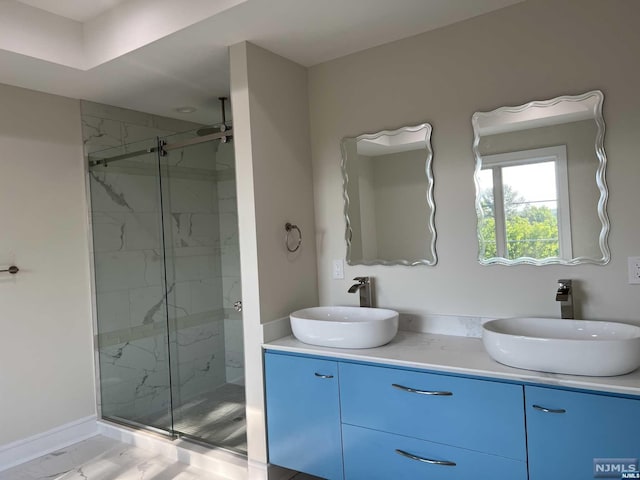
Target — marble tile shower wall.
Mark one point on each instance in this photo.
(105, 126)
(201, 222)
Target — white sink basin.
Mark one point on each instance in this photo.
(345, 327)
(574, 347)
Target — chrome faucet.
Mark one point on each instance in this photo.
(564, 295)
(365, 287)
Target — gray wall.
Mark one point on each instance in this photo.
(401, 186)
(534, 50)
(273, 170)
(46, 361)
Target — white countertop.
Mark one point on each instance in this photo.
(453, 354)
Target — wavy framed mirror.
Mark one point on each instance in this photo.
(388, 197)
(541, 193)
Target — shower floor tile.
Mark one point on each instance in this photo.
(217, 417)
(101, 458)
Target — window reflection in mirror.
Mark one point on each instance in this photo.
(524, 198)
(540, 185)
(388, 194)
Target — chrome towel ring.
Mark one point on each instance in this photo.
(289, 227)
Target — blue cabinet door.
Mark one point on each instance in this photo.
(567, 431)
(303, 415)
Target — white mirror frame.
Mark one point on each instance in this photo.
(599, 179)
(429, 202)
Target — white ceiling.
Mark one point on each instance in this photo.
(79, 10)
(156, 55)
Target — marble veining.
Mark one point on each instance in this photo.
(459, 325)
(136, 377)
(136, 373)
(101, 458)
(148, 316)
(108, 126)
(109, 189)
(100, 133)
(457, 354)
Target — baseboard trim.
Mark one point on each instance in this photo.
(22, 451)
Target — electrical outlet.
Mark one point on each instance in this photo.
(338, 269)
(634, 270)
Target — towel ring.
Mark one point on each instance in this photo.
(289, 227)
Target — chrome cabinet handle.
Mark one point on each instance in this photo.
(421, 392)
(444, 463)
(320, 375)
(549, 410)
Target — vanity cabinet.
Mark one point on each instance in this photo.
(303, 415)
(567, 430)
(342, 419)
(394, 422)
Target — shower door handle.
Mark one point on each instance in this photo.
(237, 306)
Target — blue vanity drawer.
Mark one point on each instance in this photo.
(372, 455)
(474, 414)
(567, 431)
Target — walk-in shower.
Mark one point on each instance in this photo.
(167, 276)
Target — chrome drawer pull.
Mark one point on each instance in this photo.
(319, 375)
(421, 392)
(444, 463)
(549, 410)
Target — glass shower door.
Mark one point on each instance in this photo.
(132, 332)
(203, 283)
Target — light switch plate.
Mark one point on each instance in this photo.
(338, 269)
(634, 270)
